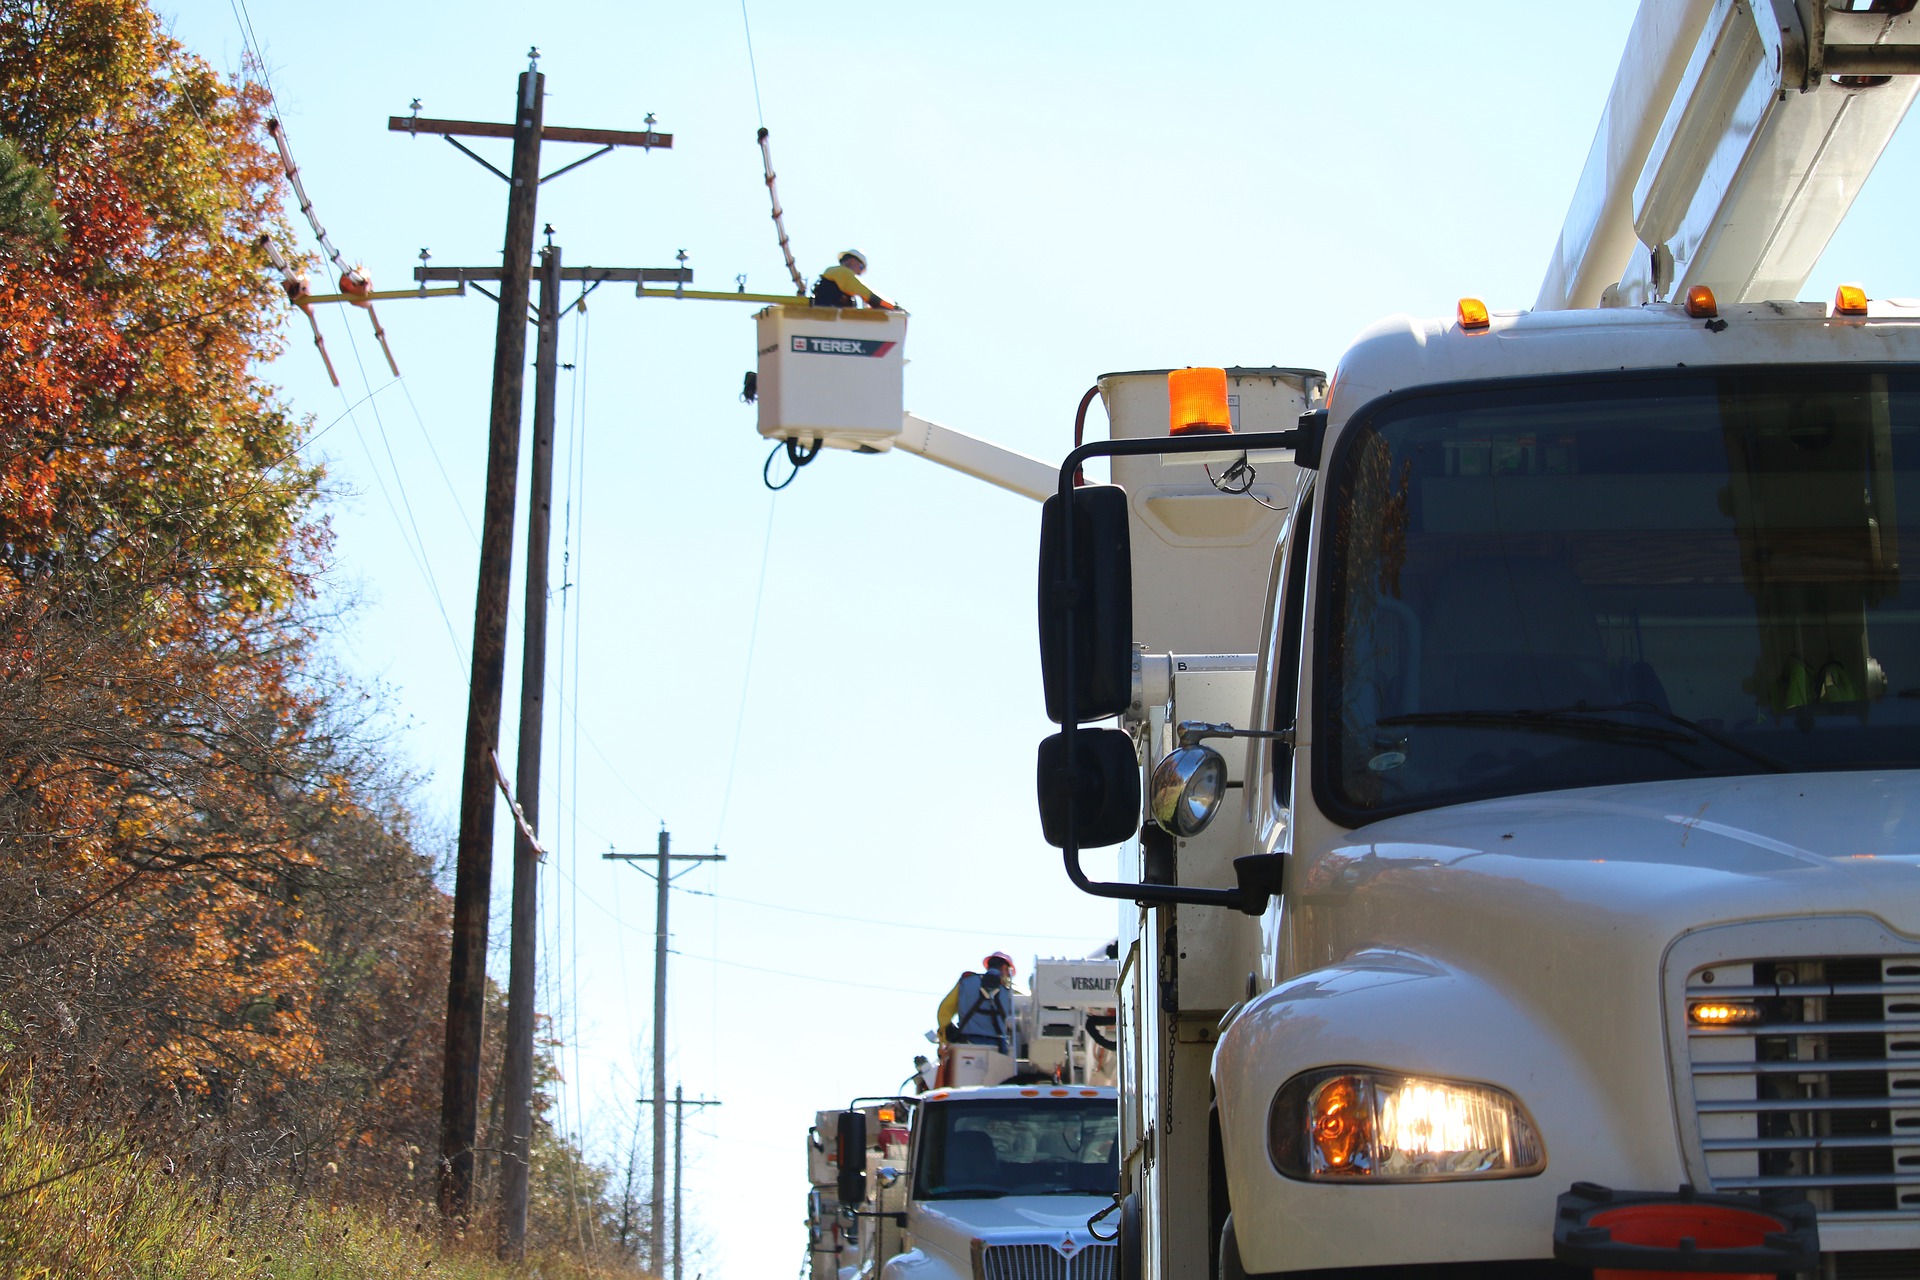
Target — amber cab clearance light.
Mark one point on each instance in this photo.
(1197, 401)
(1850, 300)
(1700, 303)
(1473, 314)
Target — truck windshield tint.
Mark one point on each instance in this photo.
(1643, 577)
(1017, 1147)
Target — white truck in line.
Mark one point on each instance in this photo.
(995, 1174)
(1561, 914)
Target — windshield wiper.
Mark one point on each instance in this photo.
(1576, 721)
(968, 1193)
(1711, 735)
(1570, 722)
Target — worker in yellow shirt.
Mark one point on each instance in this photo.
(840, 285)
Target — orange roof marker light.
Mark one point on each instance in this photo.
(1850, 300)
(1197, 402)
(1701, 304)
(1473, 314)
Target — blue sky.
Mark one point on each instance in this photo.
(837, 687)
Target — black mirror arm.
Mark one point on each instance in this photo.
(1252, 893)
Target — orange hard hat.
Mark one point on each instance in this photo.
(1003, 958)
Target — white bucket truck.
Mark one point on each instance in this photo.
(1000, 1172)
(1568, 850)
(1000, 1182)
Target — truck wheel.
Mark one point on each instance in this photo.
(1230, 1268)
(1130, 1246)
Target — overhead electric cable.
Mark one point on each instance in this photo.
(399, 480)
(798, 977)
(915, 925)
(459, 507)
(751, 68)
(746, 678)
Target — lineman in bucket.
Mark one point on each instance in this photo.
(840, 285)
(979, 1009)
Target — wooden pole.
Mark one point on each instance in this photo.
(516, 1075)
(473, 872)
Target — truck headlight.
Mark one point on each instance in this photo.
(1353, 1124)
(1186, 790)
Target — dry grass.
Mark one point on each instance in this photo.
(90, 1207)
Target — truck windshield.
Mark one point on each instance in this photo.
(1650, 576)
(1017, 1147)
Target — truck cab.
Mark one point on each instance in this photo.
(1597, 793)
(1002, 1181)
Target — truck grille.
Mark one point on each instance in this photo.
(1822, 1094)
(1043, 1262)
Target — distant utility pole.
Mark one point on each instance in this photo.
(473, 874)
(662, 880)
(680, 1105)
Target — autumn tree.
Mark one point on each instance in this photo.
(220, 930)
(212, 909)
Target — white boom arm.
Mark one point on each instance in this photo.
(981, 459)
(1735, 140)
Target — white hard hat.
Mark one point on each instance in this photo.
(857, 256)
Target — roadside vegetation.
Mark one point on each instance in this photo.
(222, 929)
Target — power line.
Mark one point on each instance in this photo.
(427, 437)
(746, 677)
(800, 977)
(412, 553)
(751, 68)
(400, 483)
(915, 926)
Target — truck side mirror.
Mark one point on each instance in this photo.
(1103, 780)
(851, 1152)
(1095, 591)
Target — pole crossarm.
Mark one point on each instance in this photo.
(381, 295)
(645, 139)
(654, 857)
(598, 275)
(707, 295)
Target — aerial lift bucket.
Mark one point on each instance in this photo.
(972, 1064)
(831, 376)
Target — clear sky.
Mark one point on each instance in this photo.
(1055, 190)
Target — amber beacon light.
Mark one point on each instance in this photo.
(1197, 401)
(1472, 314)
(1850, 300)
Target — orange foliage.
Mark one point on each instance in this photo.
(212, 910)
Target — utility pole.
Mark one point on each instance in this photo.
(662, 881)
(516, 1075)
(473, 873)
(680, 1105)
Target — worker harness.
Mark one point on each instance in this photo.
(828, 294)
(986, 999)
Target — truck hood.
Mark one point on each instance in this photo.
(1663, 856)
(950, 1227)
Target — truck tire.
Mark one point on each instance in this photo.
(1230, 1268)
(1131, 1249)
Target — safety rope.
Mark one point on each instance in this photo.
(773, 194)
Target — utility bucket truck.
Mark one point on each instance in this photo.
(999, 1183)
(1530, 883)
(998, 1179)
